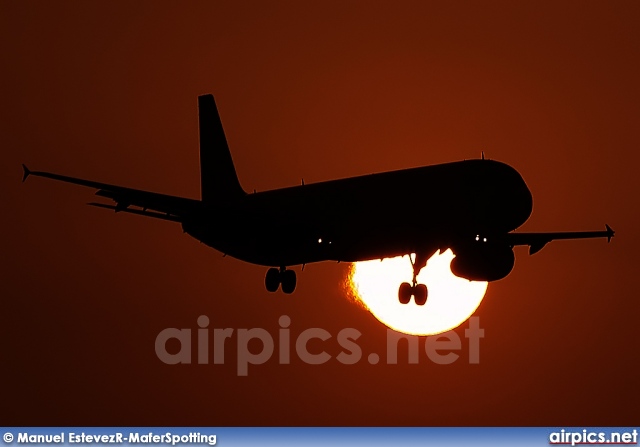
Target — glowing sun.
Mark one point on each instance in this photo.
(451, 301)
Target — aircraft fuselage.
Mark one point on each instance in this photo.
(368, 217)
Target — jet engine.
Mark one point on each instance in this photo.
(483, 263)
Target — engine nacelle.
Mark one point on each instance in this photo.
(489, 263)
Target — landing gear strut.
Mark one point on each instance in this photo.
(276, 277)
(418, 291)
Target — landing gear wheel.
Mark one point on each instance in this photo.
(272, 280)
(288, 280)
(404, 293)
(420, 294)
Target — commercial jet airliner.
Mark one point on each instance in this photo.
(470, 206)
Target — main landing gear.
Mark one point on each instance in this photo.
(276, 277)
(419, 292)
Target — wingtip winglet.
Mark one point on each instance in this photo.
(610, 233)
(25, 172)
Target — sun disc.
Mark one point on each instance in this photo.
(452, 300)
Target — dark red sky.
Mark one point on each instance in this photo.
(107, 91)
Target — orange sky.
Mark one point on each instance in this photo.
(313, 90)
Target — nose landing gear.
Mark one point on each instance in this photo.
(276, 277)
(419, 292)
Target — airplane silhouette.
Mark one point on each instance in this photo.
(470, 206)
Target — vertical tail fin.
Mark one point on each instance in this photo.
(219, 181)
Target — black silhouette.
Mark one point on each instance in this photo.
(470, 206)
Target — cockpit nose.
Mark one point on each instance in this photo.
(523, 200)
(516, 196)
(527, 202)
(499, 198)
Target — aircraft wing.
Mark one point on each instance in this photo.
(536, 241)
(163, 206)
